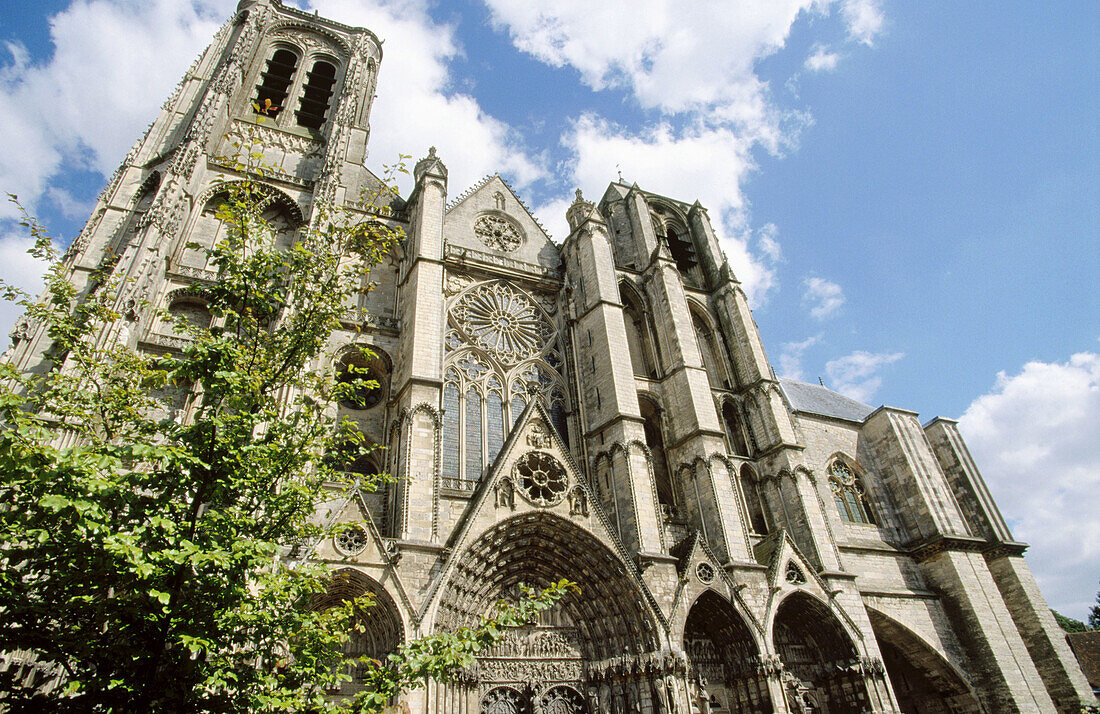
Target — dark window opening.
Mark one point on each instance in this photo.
(682, 250)
(738, 445)
(655, 440)
(366, 378)
(275, 83)
(316, 95)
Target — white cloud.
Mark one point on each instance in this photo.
(113, 63)
(706, 164)
(822, 60)
(766, 238)
(695, 66)
(1036, 440)
(790, 358)
(856, 375)
(865, 20)
(21, 270)
(823, 296)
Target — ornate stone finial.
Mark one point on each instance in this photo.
(579, 210)
(431, 163)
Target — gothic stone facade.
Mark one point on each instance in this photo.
(600, 409)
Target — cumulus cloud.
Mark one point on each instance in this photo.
(790, 358)
(1034, 436)
(21, 270)
(113, 63)
(823, 296)
(865, 20)
(694, 66)
(857, 375)
(822, 60)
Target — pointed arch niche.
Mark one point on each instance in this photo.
(713, 361)
(723, 658)
(655, 440)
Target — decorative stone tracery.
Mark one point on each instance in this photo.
(497, 232)
(541, 478)
(503, 321)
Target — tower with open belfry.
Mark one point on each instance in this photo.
(599, 408)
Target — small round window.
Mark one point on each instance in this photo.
(351, 541)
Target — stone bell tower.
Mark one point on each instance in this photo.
(297, 84)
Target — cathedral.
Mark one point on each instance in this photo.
(601, 409)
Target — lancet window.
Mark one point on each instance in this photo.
(639, 335)
(712, 357)
(275, 82)
(502, 355)
(849, 494)
(754, 503)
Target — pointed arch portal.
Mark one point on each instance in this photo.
(822, 666)
(382, 631)
(607, 621)
(724, 658)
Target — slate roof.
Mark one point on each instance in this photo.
(815, 399)
(1086, 645)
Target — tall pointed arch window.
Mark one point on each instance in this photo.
(754, 504)
(849, 494)
(655, 440)
(639, 336)
(275, 81)
(735, 434)
(316, 95)
(712, 358)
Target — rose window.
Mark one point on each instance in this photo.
(351, 541)
(503, 321)
(705, 573)
(497, 232)
(540, 478)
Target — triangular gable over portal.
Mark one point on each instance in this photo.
(506, 493)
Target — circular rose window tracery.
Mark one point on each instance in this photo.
(497, 232)
(540, 478)
(351, 540)
(503, 321)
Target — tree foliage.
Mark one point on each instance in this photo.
(1068, 624)
(1094, 614)
(149, 503)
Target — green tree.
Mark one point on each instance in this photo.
(144, 556)
(1068, 624)
(1094, 614)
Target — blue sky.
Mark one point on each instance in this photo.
(909, 191)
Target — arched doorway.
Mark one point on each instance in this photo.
(724, 658)
(382, 631)
(591, 644)
(923, 681)
(822, 673)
